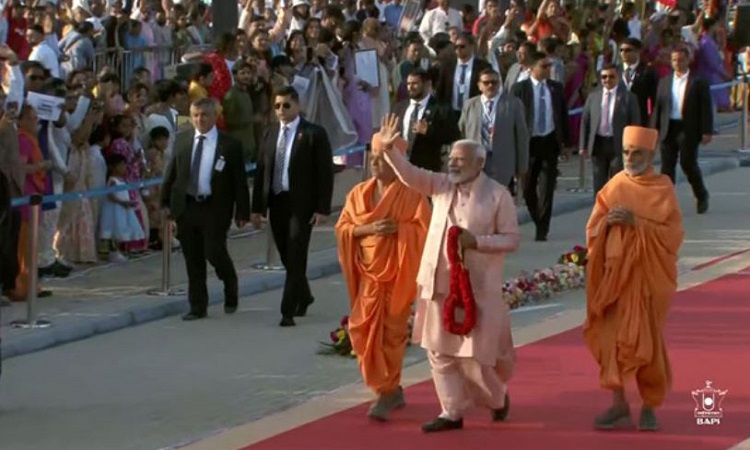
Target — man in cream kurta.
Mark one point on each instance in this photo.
(475, 368)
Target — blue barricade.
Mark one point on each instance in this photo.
(100, 192)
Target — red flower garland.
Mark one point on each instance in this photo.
(461, 293)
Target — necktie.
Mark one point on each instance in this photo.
(413, 119)
(605, 128)
(628, 76)
(461, 88)
(541, 118)
(487, 127)
(195, 168)
(278, 166)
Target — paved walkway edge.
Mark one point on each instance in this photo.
(322, 264)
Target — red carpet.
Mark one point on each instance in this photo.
(555, 395)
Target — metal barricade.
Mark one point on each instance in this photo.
(159, 60)
(366, 163)
(31, 321)
(166, 263)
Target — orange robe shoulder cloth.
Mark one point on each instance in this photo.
(630, 281)
(380, 274)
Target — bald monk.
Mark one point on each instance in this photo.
(633, 237)
(380, 234)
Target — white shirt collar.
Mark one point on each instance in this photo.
(612, 91)
(291, 125)
(493, 99)
(536, 82)
(469, 62)
(422, 103)
(680, 78)
(210, 134)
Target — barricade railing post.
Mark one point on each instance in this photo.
(366, 163)
(166, 262)
(32, 258)
(271, 262)
(582, 172)
(743, 115)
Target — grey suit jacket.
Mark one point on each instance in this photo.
(512, 76)
(510, 141)
(626, 113)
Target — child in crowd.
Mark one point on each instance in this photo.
(98, 142)
(117, 219)
(158, 141)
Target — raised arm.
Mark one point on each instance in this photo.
(388, 143)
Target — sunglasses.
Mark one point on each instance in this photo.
(608, 77)
(284, 105)
(460, 46)
(36, 77)
(489, 82)
(626, 50)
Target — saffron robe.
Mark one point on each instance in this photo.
(380, 273)
(631, 279)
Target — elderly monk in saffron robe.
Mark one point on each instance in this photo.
(381, 233)
(473, 369)
(633, 235)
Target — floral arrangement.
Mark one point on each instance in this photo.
(579, 256)
(340, 343)
(461, 294)
(529, 288)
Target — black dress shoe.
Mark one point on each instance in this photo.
(702, 206)
(441, 424)
(44, 294)
(193, 316)
(287, 322)
(541, 238)
(230, 309)
(302, 309)
(499, 415)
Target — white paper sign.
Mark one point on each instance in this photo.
(366, 66)
(300, 84)
(47, 107)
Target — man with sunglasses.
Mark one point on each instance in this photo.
(608, 110)
(638, 78)
(547, 119)
(293, 183)
(497, 120)
(458, 78)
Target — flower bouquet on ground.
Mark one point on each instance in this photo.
(578, 256)
(340, 343)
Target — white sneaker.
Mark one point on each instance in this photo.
(117, 257)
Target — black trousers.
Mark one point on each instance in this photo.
(202, 238)
(677, 146)
(9, 267)
(605, 162)
(291, 231)
(539, 190)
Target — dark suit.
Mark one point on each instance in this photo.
(681, 138)
(643, 84)
(310, 173)
(203, 224)
(424, 150)
(447, 79)
(544, 151)
(606, 152)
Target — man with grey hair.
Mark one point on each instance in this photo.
(205, 186)
(482, 357)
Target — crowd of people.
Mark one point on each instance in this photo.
(119, 119)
